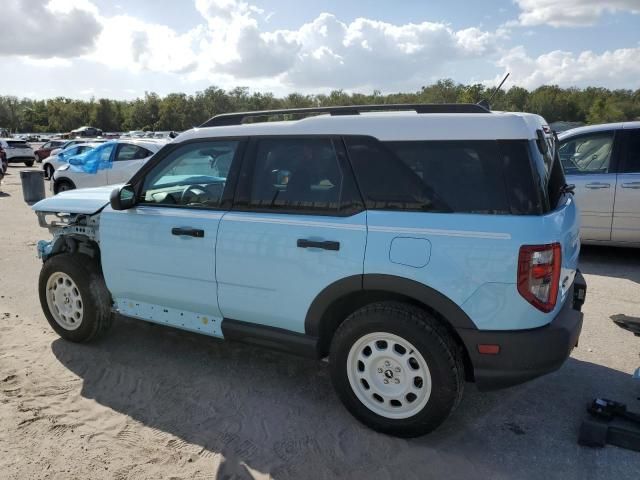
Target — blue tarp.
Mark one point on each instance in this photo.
(93, 160)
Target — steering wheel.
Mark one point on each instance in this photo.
(189, 193)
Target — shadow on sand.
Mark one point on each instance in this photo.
(278, 414)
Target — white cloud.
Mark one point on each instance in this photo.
(327, 52)
(234, 44)
(129, 43)
(615, 68)
(47, 62)
(563, 13)
(61, 28)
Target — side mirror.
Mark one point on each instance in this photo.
(123, 198)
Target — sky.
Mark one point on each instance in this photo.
(123, 48)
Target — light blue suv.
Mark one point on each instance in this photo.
(416, 247)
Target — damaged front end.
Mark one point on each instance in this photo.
(71, 233)
(72, 217)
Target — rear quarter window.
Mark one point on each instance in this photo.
(462, 176)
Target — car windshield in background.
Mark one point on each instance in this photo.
(210, 163)
(194, 175)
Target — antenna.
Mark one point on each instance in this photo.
(487, 103)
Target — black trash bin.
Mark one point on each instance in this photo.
(32, 185)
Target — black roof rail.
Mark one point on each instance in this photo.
(226, 119)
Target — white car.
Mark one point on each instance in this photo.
(17, 151)
(75, 141)
(53, 162)
(110, 163)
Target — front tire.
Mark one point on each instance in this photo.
(396, 369)
(29, 163)
(74, 297)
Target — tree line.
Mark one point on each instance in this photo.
(179, 111)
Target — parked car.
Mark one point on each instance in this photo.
(112, 162)
(603, 162)
(3, 165)
(75, 141)
(3, 159)
(45, 150)
(53, 162)
(86, 132)
(17, 151)
(413, 250)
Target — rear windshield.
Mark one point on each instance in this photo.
(17, 143)
(546, 161)
(462, 176)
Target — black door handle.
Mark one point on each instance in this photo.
(188, 232)
(327, 245)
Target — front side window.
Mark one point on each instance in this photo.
(587, 154)
(192, 175)
(296, 174)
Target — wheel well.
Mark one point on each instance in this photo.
(77, 244)
(340, 309)
(60, 181)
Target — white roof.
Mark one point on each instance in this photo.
(599, 128)
(388, 126)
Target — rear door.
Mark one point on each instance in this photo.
(297, 226)
(128, 159)
(589, 164)
(626, 215)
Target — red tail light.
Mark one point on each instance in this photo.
(539, 274)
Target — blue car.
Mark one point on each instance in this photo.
(414, 247)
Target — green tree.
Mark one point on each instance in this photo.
(604, 110)
(105, 116)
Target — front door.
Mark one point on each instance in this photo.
(297, 226)
(587, 162)
(158, 258)
(626, 215)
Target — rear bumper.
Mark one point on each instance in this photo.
(20, 158)
(527, 354)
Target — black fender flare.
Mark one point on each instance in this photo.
(417, 291)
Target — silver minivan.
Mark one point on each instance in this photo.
(603, 162)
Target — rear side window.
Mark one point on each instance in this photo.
(131, 152)
(463, 176)
(17, 144)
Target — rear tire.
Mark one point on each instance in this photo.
(74, 297)
(29, 163)
(63, 186)
(396, 369)
(48, 171)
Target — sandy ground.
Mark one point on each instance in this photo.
(149, 402)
